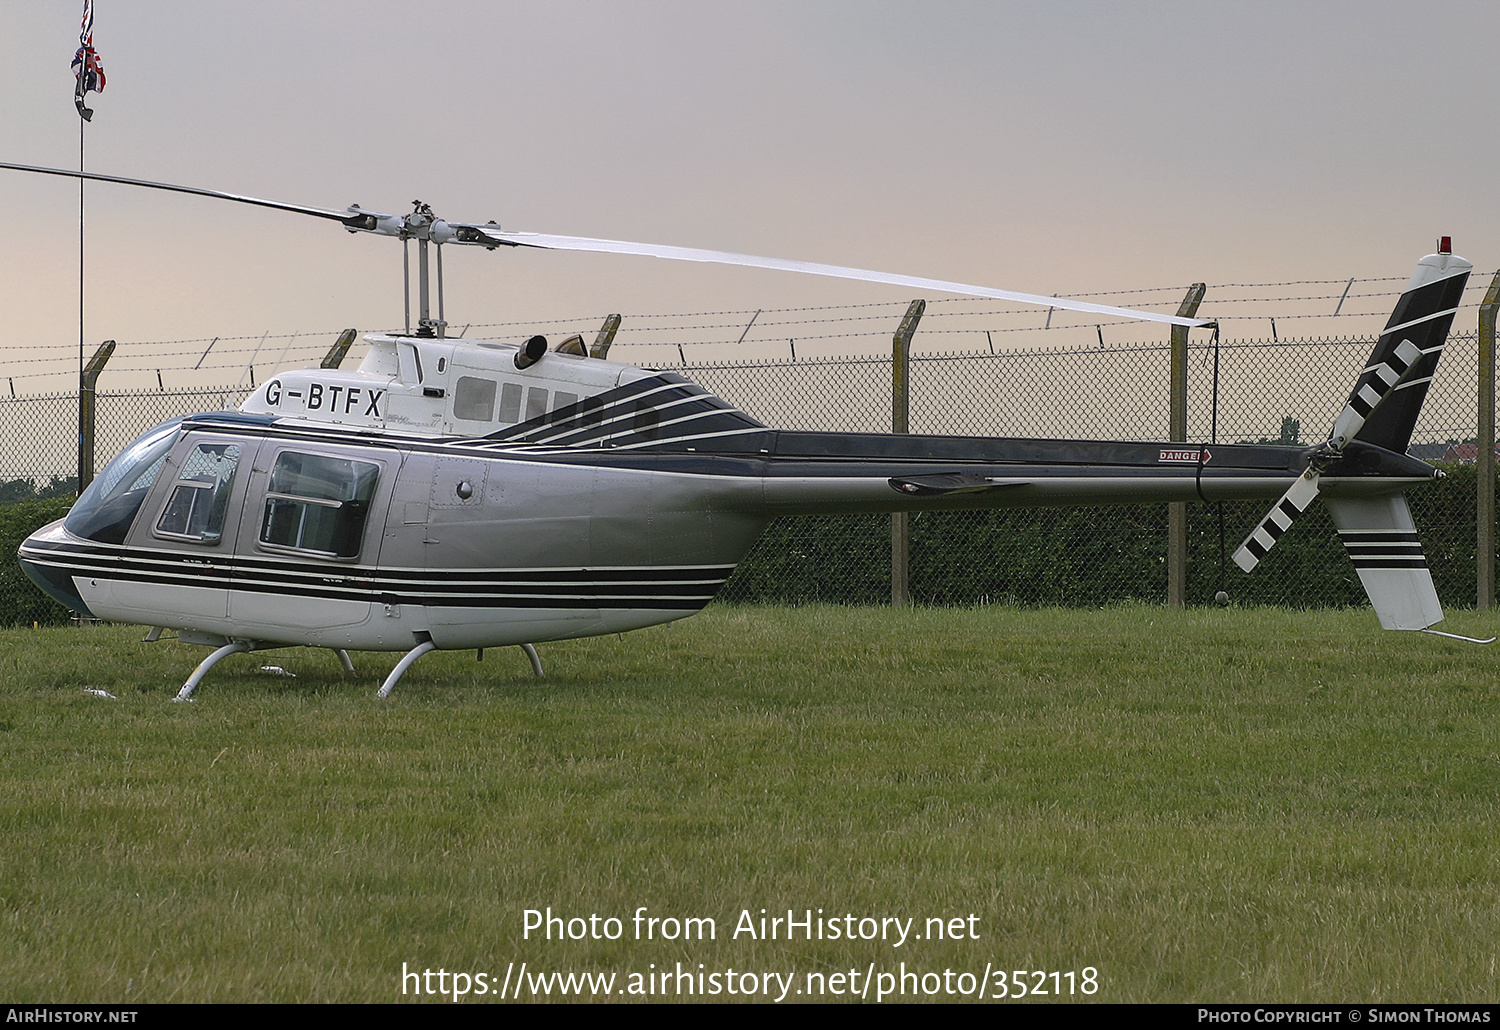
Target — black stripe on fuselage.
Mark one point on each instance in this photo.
(670, 587)
(838, 455)
(659, 410)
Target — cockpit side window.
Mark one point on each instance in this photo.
(107, 508)
(199, 502)
(318, 504)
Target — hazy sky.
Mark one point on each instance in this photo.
(1048, 147)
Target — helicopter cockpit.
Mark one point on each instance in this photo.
(109, 505)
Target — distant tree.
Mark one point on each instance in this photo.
(14, 490)
(59, 486)
(1291, 433)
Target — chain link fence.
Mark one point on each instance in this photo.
(40, 458)
(1286, 391)
(1277, 390)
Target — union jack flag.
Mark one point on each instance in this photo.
(87, 68)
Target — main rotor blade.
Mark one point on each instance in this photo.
(489, 235)
(317, 212)
(546, 242)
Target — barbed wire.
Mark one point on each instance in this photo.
(1030, 353)
(218, 355)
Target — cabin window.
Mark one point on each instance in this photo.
(111, 502)
(199, 501)
(536, 403)
(646, 417)
(474, 400)
(510, 402)
(562, 400)
(411, 363)
(319, 504)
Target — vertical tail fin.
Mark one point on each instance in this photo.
(1387, 398)
(1422, 318)
(1381, 539)
(1382, 410)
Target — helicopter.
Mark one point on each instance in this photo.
(453, 493)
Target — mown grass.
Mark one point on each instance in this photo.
(1204, 805)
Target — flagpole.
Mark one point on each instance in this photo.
(90, 73)
(81, 459)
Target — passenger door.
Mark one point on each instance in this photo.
(310, 538)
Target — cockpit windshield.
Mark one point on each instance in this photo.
(111, 502)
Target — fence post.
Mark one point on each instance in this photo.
(606, 337)
(1485, 457)
(340, 349)
(900, 410)
(86, 412)
(1177, 548)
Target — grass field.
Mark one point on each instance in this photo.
(1201, 806)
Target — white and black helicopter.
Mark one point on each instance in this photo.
(454, 494)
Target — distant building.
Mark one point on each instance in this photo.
(1429, 451)
(1468, 453)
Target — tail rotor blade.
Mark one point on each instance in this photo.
(1374, 386)
(1293, 503)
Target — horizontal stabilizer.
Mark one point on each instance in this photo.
(949, 483)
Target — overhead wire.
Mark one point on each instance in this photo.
(752, 329)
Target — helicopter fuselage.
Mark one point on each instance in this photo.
(441, 493)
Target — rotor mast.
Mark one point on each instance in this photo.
(421, 225)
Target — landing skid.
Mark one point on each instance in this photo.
(236, 647)
(404, 664)
(233, 647)
(227, 648)
(427, 645)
